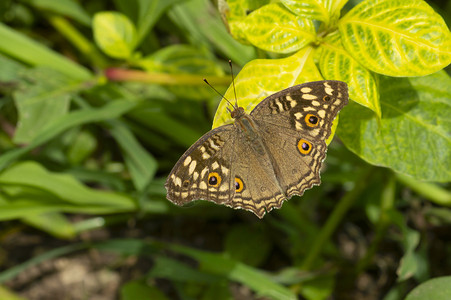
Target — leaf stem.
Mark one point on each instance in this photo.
(120, 74)
(78, 40)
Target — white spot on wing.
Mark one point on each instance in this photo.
(298, 115)
(309, 97)
(187, 161)
(306, 90)
(192, 166)
(215, 165)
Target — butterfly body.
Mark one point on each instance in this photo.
(264, 157)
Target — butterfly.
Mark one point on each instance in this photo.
(264, 157)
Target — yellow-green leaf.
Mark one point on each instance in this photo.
(397, 37)
(322, 10)
(114, 33)
(263, 77)
(274, 28)
(336, 63)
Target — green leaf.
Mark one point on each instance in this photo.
(202, 26)
(184, 59)
(141, 164)
(31, 52)
(336, 63)
(414, 135)
(110, 111)
(69, 8)
(263, 77)
(274, 28)
(241, 242)
(236, 271)
(149, 13)
(115, 34)
(176, 271)
(397, 38)
(437, 288)
(53, 223)
(44, 98)
(5, 293)
(320, 10)
(133, 290)
(63, 186)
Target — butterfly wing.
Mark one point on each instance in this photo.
(295, 124)
(204, 170)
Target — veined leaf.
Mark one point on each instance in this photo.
(114, 33)
(336, 63)
(397, 37)
(274, 28)
(233, 12)
(414, 134)
(321, 10)
(438, 288)
(66, 188)
(41, 102)
(263, 77)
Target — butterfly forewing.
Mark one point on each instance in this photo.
(209, 159)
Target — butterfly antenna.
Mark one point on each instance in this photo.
(206, 81)
(233, 83)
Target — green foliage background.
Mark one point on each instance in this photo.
(98, 99)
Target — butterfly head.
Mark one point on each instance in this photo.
(237, 112)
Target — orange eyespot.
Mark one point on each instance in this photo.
(311, 120)
(326, 98)
(214, 180)
(304, 147)
(239, 186)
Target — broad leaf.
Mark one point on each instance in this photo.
(233, 12)
(36, 190)
(414, 135)
(274, 28)
(397, 38)
(27, 50)
(114, 33)
(321, 10)
(69, 8)
(438, 288)
(336, 63)
(44, 98)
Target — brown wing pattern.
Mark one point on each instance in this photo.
(211, 156)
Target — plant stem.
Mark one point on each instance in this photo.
(119, 74)
(430, 191)
(335, 219)
(78, 40)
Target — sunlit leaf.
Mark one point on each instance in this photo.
(321, 10)
(274, 28)
(114, 33)
(414, 135)
(397, 38)
(336, 63)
